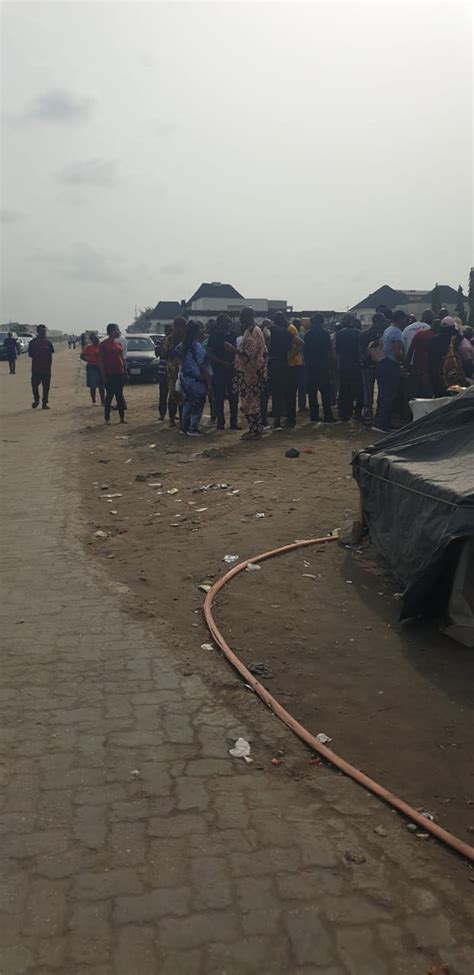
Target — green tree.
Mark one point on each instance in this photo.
(459, 309)
(435, 298)
(140, 322)
(470, 297)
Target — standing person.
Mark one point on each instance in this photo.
(444, 361)
(368, 336)
(302, 381)
(11, 348)
(267, 334)
(168, 349)
(209, 332)
(90, 355)
(350, 374)
(392, 337)
(194, 379)
(413, 327)
(41, 351)
(113, 371)
(222, 362)
(294, 373)
(418, 358)
(318, 354)
(251, 372)
(388, 376)
(163, 376)
(466, 351)
(280, 342)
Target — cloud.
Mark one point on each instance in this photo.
(10, 216)
(88, 172)
(57, 106)
(84, 263)
(176, 268)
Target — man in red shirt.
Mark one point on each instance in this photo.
(40, 351)
(113, 371)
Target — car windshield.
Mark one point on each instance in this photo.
(3, 339)
(140, 345)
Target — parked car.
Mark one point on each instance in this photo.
(23, 341)
(158, 338)
(142, 358)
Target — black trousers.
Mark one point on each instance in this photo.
(350, 391)
(293, 381)
(319, 382)
(163, 400)
(278, 384)
(114, 387)
(38, 379)
(12, 365)
(222, 385)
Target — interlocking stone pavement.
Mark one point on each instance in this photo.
(198, 865)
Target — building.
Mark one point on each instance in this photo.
(409, 301)
(207, 302)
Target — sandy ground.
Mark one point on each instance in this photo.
(397, 701)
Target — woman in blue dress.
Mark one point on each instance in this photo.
(194, 379)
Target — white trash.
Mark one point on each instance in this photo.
(241, 749)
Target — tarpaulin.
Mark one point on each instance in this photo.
(417, 489)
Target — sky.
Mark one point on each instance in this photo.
(307, 151)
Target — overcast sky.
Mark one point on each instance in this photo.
(309, 151)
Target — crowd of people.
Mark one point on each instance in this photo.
(370, 373)
(308, 369)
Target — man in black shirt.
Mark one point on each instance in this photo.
(318, 356)
(222, 363)
(11, 348)
(369, 335)
(350, 375)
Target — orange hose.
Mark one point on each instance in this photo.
(364, 780)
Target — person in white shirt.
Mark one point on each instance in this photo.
(410, 331)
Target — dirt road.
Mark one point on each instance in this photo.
(132, 843)
(397, 701)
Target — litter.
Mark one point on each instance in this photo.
(260, 670)
(412, 827)
(230, 558)
(292, 452)
(135, 772)
(309, 450)
(199, 511)
(155, 484)
(172, 491)
(349, 582)
(110, 497)
(308, 575)
(113, 511)
(124, 436)
(429, 816)
(241, 749)
(101, 534)
(260, 514)
(259, 482)
(235, 491)
(205, 586)
(206, 646)
(129, 461)
(104, 487)
(380, 831)
(152, 446)
(277, 761)
(315, 761)
(423, 836)
(354, 857)
(324, 739)
(253, 567)
(140, 477)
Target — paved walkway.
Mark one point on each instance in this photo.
(197, 865)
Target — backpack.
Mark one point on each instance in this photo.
(452, 373)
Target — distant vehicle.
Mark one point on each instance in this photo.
(23, 341)
(142, 358)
